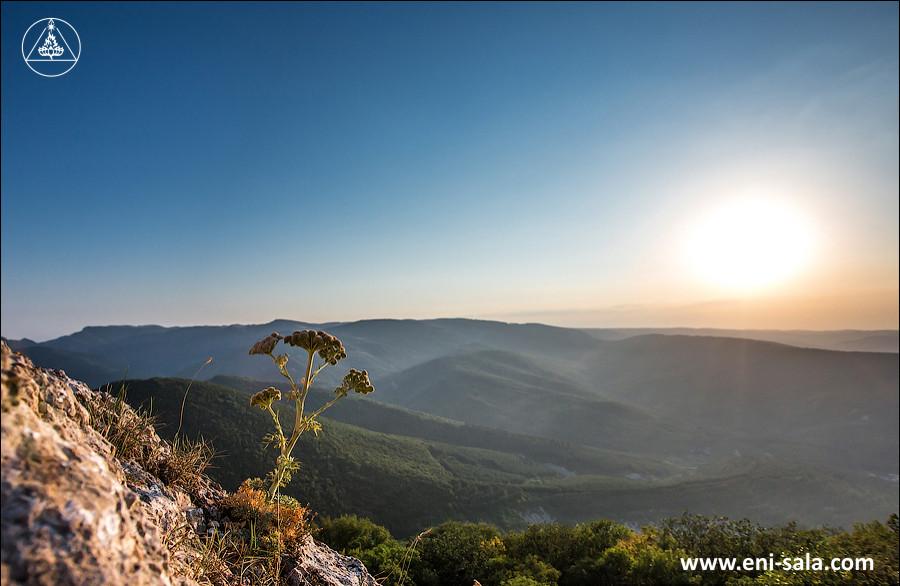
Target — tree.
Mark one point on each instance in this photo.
(460, 553)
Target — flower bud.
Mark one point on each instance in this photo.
(356, 381)
(329, 348)
(264, 398)
(266, 345)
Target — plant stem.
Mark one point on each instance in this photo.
(298, 428)
(184, 399)
(322, 409)
(277, 422)
(301, 402)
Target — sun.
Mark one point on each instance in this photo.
(750, 244)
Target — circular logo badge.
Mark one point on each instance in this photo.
(51, 47)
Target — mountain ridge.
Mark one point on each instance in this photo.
(670, 406)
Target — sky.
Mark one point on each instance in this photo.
(235, 163)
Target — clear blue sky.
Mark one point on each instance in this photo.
(219, 163)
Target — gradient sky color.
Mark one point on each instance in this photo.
(222, 163)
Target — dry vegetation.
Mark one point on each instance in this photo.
(131, 433)
(257, 530)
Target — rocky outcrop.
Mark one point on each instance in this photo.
(68, 516)
(315, 565)
(73, 513)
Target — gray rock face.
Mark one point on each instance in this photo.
(68, 517)
(317, 565)
(74, 514)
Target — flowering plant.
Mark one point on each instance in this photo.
(329, 351)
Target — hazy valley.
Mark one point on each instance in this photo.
(512, 423)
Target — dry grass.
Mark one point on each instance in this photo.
(249, 550)
(225, 559)
(220, 558)
(126, 429)
(131, 434)
(186, 463)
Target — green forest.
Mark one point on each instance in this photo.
(403, 489)
(606, 552)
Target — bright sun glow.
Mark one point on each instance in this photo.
(749, 244)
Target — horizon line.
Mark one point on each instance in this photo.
(458, 318)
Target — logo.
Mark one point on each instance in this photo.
(51, 47)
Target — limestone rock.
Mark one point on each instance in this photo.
(318, 565)
(73, 513)
(67, 516)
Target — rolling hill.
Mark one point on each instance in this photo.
(352, 469)
(88, 367)
(565, 457)
(380, 346)
(532, 420)
(511, 392)
(843, 340)
(840, 406)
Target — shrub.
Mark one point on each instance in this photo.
(571, 550)
(269, 525)
(532, 571)
(638, 560)
(460, 553)
(386, 558)
(524, 581)
(351, 533)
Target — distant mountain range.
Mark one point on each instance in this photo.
(844, 340)
(514, 422)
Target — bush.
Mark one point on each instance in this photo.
(531, 571)
(639, 561)
(573, 551)
(351, 533)
(459, 553)
(386, 558)
(268, 526)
